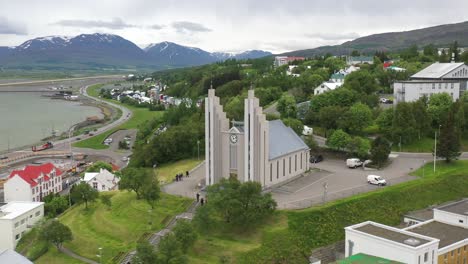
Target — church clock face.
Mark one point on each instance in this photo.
(233, 139)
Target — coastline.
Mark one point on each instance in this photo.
(83, 101)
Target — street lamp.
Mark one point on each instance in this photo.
(435, 147)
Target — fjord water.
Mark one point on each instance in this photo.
(28, 117)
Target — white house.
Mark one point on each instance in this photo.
(16, 218)
(450, 78)
(33, 183)
(326, 86)
(102, 180)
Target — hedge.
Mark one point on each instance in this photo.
(325, 225)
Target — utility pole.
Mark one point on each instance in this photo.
(198, 148)
(325, 190)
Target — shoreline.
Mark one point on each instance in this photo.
(83, 101)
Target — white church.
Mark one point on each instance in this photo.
(258, 150)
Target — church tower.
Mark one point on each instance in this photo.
(256, 140)
(216, 140)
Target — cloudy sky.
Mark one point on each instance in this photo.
(224, 25)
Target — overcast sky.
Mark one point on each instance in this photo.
(224, 25)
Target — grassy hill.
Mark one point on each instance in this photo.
(116, 230)
(440, 36)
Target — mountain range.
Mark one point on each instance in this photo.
(440, 36)
(107, 51)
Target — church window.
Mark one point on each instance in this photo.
(271, 172)
(289, 165)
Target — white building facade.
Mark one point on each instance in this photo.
(267, 152)
(102, 181)
(16, 218)
(33, 183)
(450, 78)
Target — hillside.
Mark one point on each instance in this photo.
(441, 36)
(106, 52)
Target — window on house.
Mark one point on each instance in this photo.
(103, 186)
(451, 253)
(433, 86)
(295, 162)
(37, 213)
(33, 191)
(301, 160)
(451, 85)
(284, 167)
(459, 251)
(95, 185)
(33, 199)
(277, 169)
(440, 86)
(460, 221)
(17, 236)
(289, 165)
(426, 256)
(16, 224)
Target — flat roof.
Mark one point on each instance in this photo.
(421, 215)
(460, 207)
(392, 234)
(430, 81)
(14, 209)
(447, 234)
(437, 70)
(366, 259)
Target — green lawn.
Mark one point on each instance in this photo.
(442, 168)
(167, 172)
(425, 144)
(118, 229)
(140, 116)
(210, 248)
(53, 256)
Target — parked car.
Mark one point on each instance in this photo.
(108, 141)
(3, 157)
(316, 159)
(124, 158)
(376, 180)
(353, 163)
(78, 138)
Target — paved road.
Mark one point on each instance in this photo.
(64, 145)
(188, 187)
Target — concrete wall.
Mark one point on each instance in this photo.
(16, 189)
(281, 165)
(451, 218)
(412, 91)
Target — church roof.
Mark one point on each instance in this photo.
(283, 140)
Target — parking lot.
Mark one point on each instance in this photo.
(331, 180)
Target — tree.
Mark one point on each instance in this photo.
(404, 124)
(185, 234)
(151, 191)
(99, 165)
(359, 147)
(55, 204)
(448, 144)
(83, 193)
(330, 116)
(170, 251)
(358, 117)
(421, 117)
(295, 124)
(430, 50)
(454, 51)
(438, 106)
(385, 121)
(355, 53)
(339, 140)
(311, 143)
(106, 200)
(235, 108)
(240, 205)
(135, 179)
(380, 149)
(56, 233)
(145, 253)
(287, 106)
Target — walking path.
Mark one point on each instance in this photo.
(72, 254)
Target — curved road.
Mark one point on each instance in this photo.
(64, 145)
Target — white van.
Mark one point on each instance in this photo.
(307, 131)
(353, 163)
(376, 180)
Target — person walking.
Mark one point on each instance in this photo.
(187, 174)
(202, 201)
(198, 197)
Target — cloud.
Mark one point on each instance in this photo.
(157, 27)
(115, 23)
(189, 27)
(8, 27)
(333, 36)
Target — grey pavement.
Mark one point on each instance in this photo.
(340, 181)
(188, 187)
